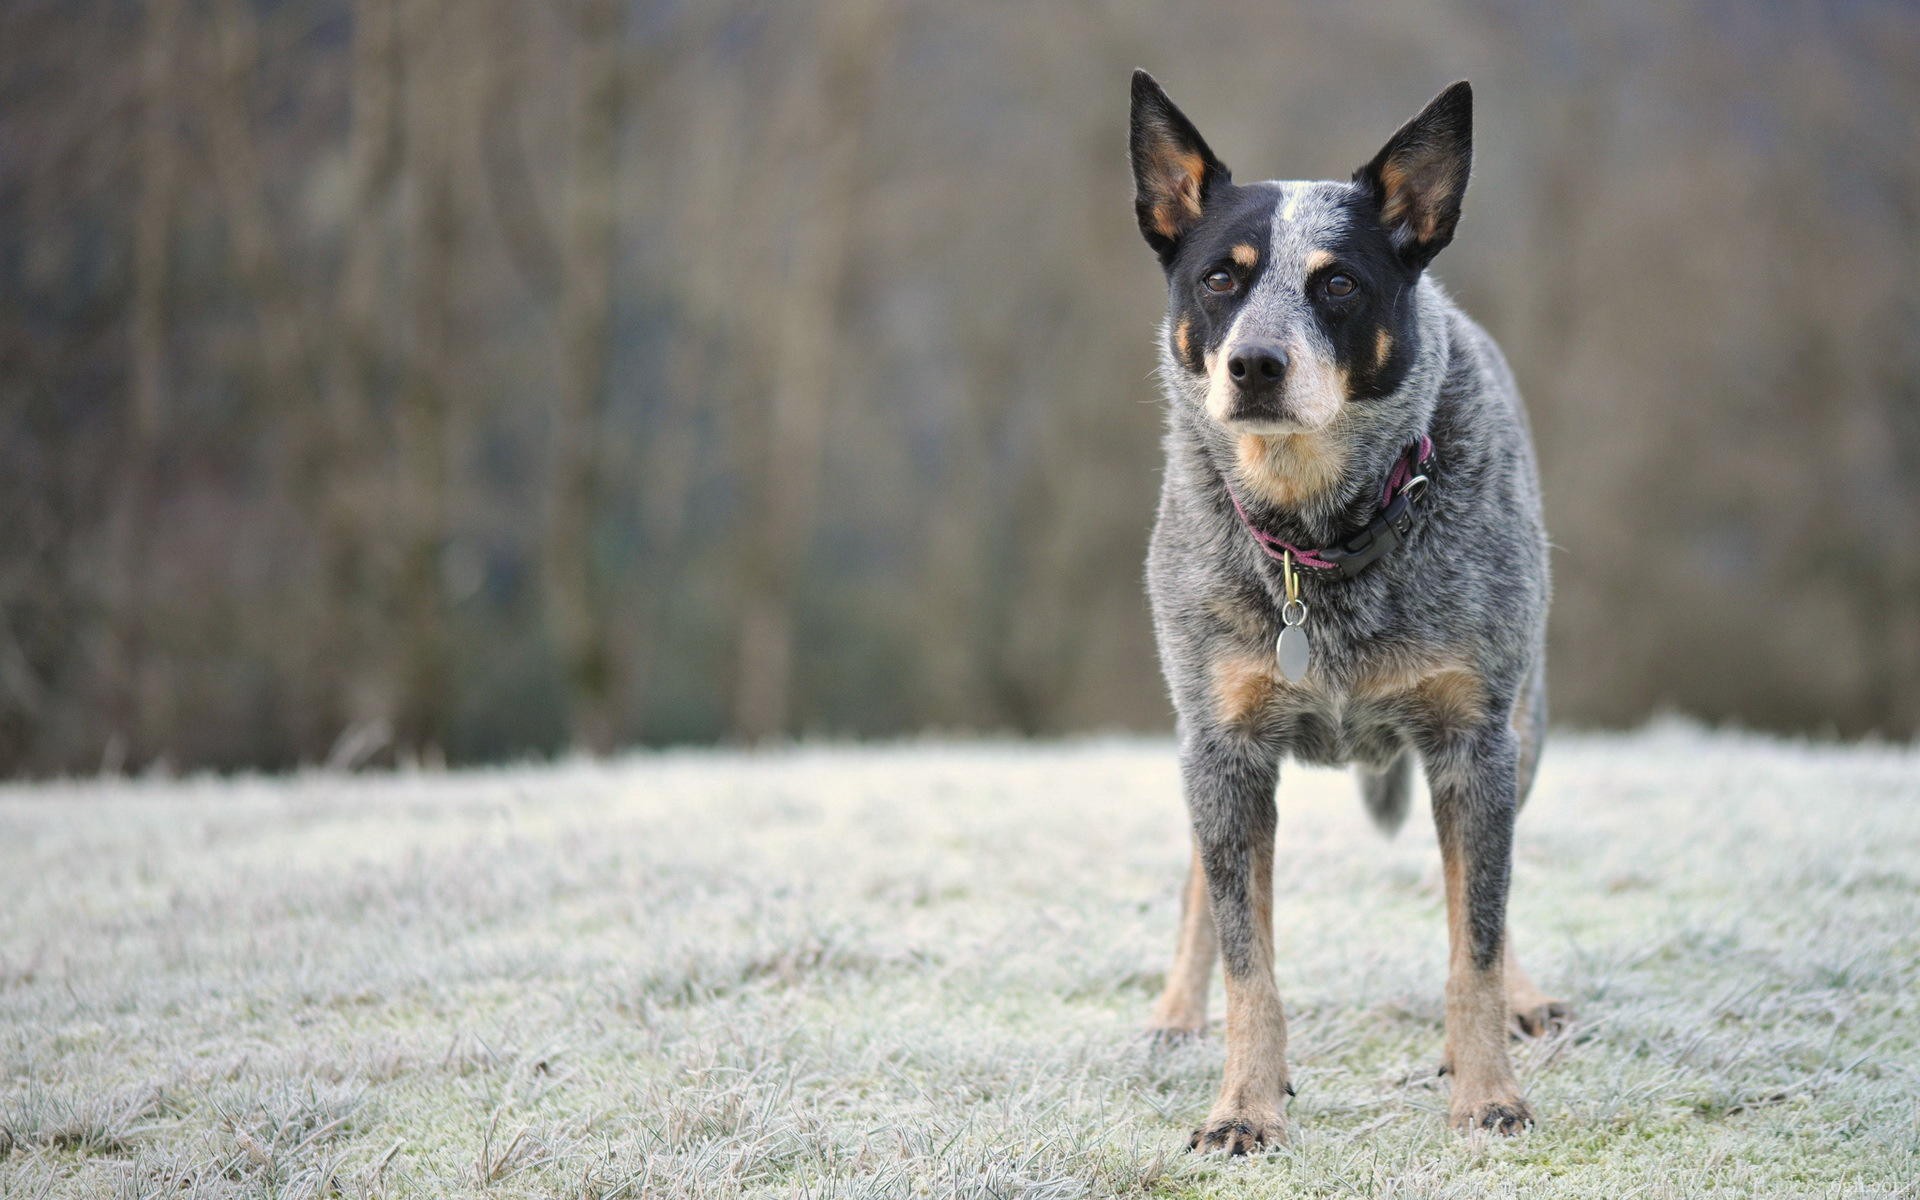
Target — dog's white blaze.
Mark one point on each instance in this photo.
(1293, 191)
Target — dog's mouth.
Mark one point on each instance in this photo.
(1269, 426)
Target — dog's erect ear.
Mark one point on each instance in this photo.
(1173, 171)
(1417, 179)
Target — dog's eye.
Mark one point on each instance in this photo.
(1218, 282)
(1341, 286)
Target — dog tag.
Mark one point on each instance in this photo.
(1292, 648)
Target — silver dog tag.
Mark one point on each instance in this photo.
(1292, 648)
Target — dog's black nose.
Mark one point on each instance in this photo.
(1257, 368)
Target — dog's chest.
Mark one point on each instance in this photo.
(1360, 700)
(1331, 730)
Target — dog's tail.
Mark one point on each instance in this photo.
(1388, 792)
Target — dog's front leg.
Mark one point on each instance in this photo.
(1229, 782)
(1473, 779)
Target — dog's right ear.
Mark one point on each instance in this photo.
(1174, 174)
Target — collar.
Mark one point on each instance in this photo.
(1399, 508)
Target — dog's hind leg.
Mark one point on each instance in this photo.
(1230, 781)
(1388, 793)
(1533, 1012)
(1181, 1011)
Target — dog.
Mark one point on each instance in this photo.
(1348, 565)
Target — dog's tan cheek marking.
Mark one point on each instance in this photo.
(1245, 255)
(1382, 346)
(1183, 340)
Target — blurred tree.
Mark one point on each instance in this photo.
(162, 71)
(438, 51)
(576, 595)
(824, 126)
(346, 489)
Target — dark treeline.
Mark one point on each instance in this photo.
(407, 378)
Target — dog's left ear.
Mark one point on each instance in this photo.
(1174, 174)
(1417, 179)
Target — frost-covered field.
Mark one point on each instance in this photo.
(921, 970)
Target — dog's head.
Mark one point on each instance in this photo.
(1290, 301)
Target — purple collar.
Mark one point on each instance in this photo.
(1399, 501)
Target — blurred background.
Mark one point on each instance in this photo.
(465, 379)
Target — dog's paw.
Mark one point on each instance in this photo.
(1505, 1116)
(1166, 1037)
(1240, 1134)
(1541, 1016)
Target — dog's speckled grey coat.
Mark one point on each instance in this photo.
(1435, 652)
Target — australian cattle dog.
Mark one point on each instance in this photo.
(1348, 566)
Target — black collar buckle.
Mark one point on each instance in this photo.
(1382, 536)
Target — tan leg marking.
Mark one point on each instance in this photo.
(1485, 1093)
(1454, 698)
(1181, 1010)
(1250, 1110)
